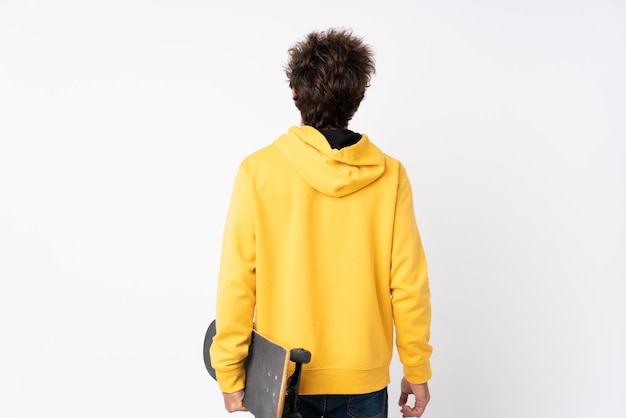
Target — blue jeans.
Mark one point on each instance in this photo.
(370, 405)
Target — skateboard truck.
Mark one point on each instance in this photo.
(299, 356)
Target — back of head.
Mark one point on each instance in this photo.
(329, 72)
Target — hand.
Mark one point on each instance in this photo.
(422, 396)
(234, 401)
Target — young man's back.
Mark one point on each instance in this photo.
(321, 249)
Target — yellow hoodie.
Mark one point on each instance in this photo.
(321, 250)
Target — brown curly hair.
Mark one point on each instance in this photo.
(329, 72)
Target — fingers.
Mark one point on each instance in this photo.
(422, 397)
(407, 411)
(234, 401)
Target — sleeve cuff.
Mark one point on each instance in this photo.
(231, 381)
(418, 374)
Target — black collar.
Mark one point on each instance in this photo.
(340, 138)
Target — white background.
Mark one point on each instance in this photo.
(122, 124)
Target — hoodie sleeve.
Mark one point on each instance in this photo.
(236, 289)
(410, 290)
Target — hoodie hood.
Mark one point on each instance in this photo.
(330, 171)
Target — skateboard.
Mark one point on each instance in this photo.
(269, 393)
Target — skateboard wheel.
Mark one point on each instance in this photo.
(300, 355)
(208, 340)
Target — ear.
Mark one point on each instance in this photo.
(294, 96)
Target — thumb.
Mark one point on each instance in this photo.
(403, 398)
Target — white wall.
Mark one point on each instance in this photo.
(122, 124)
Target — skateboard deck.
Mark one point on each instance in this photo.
(266, 374)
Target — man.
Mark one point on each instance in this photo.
(321, 249)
